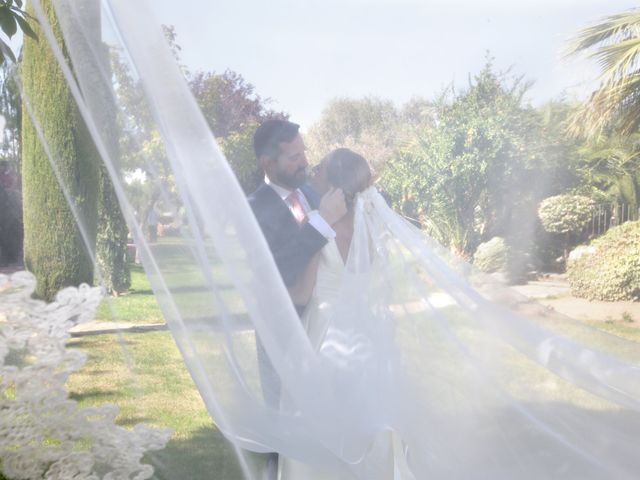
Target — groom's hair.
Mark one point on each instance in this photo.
(270, 134)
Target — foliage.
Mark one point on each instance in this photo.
(233, 110)
(238, 149)
(230, 106)
(615, 43)
(11, 110)
(610, 166)
(54, 249)
(611, 272)
(229, 103)
(468, 174)
(492, 256)
(565, 213)
(111, 239)
(11, 232)
(112, 232)
(497, 257)
(369, 126)
(12, 17)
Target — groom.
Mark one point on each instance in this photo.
(294, 221)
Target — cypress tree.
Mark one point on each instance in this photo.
(111, 241)
(53, 247)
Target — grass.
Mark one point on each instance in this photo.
(155, 387)
(158, 391)
(175, 258)
(138, 306)
(144, 375)
(623, 330)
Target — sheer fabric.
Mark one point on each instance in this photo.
(472, 380)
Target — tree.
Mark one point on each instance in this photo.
(11, 231)
(229, 104)
(615, 105)
(467, 176)
(610, 168)
(233, 111)
(112, 231)
(11, 110)
(53, 247)
(370, 126)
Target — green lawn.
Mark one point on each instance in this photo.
(620, 328)
(138, 306)
(158, 391)
(144, 375)
(175, 258)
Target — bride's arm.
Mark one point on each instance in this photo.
(301, 291)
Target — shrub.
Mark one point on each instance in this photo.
(610, 270)
(10, 226)
(565, 213)
(497, 257)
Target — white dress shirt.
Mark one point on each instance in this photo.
(313, 216)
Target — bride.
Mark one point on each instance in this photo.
(319, 289)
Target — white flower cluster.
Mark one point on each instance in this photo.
(44, 434)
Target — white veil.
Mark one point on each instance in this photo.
(475, 381)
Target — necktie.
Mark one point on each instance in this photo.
(295, 205)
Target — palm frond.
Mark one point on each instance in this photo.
(615, 105)
(619, 59)
(612, 29)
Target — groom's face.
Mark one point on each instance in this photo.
(290, 167)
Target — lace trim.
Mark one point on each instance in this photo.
(44, 434)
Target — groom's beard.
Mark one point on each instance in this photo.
(292, 181)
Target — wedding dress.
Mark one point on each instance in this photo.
(474, 380)
(385, 460)
(316, 319)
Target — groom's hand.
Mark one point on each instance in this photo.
(333, 206)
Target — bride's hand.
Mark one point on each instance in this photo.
(333, 206)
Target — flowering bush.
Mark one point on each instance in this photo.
(609, 269)
(44, 434)
(565, 213)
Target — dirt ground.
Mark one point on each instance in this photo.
(553, 291)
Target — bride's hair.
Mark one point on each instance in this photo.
(349, 171)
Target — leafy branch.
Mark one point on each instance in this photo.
(12, 17)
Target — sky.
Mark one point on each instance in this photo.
(301, 54)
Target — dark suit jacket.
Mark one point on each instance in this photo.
(292, 245)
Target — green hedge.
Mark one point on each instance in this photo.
(612, 271)
(54, 250)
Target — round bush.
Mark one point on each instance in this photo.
(496, 256)
(610, 269)
(565, 213)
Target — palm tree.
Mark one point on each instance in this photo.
(613, 165)
(615, 105)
